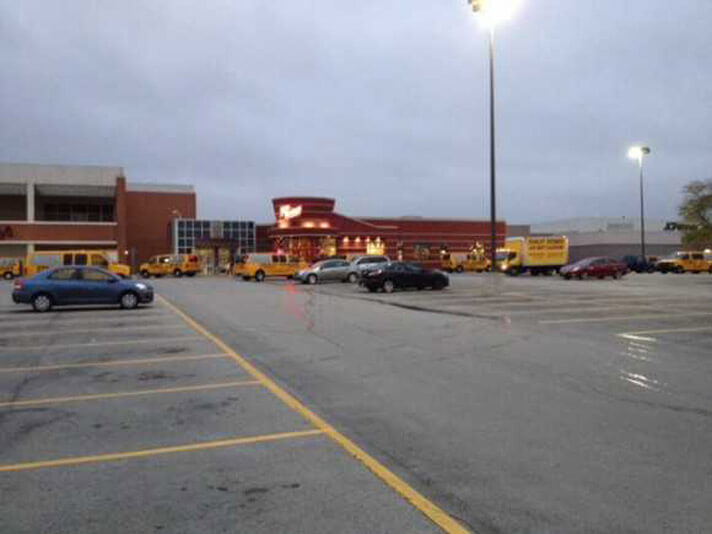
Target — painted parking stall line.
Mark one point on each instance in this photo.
(157, 360)
(124, 394)
(436, 514)
(101, 343)
(113, 457)
(64, 317)
(661, 315)
(96, 330)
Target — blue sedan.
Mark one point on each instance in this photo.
(63, 286)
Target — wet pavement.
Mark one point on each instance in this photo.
(517, 405)
(136, 421)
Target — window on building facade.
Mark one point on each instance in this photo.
(190, 232)
(377, 248)
(422, 251)
(79, 212)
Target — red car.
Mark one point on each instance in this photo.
(594, 268)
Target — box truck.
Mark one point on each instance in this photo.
(536, 255)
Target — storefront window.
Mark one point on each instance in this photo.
(304, 248)
(377, 248)
(422, 251)
(328, 246)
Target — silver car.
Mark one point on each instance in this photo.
(326, 271)
(361, 264)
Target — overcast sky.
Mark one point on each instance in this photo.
(382, 104)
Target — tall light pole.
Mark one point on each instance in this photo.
(638, 153)
(493, 12)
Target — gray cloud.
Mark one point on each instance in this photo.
(381, 104)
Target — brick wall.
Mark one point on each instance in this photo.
(60, 232)
(148, 220)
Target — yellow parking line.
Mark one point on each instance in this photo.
(92, 330)
(61, 319)
(136, 361)
(112, 457)
(436, 514)
(100, 343)
(661, 315)
(101, 396)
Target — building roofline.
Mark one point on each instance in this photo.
(139, 187)
(59, 174)
(60, 165)
(415, 218)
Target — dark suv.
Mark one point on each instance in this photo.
(640, 264)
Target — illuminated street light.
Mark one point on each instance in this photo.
(492, 13)
(637, 153)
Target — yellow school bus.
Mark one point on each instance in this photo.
(47, 259)
(10, 268)
(171, 264)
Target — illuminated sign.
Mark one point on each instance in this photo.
(289, 212)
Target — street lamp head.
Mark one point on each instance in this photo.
(637, 152)
(494, 12)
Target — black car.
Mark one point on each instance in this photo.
(640, 264)
(399, 275)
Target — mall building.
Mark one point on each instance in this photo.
(60, 207)
(310, 228)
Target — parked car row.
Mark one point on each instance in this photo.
(161, 265)
(677, 262)
(374, 272)
(258, 267)
(86, 277)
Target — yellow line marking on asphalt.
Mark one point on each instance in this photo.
(644, 335)
(436, 514)
(94, 330)
(662, 315)
(81, 318)
(136, 361)
(100, 343)
(101, 396)
(112, 457)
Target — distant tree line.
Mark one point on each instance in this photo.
(696, 212)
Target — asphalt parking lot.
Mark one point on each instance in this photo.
(511, 404)
(136, 418)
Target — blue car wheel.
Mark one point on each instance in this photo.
(42, 302)
(129, 300)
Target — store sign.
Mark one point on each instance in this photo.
(6, 232)
(289, 212)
